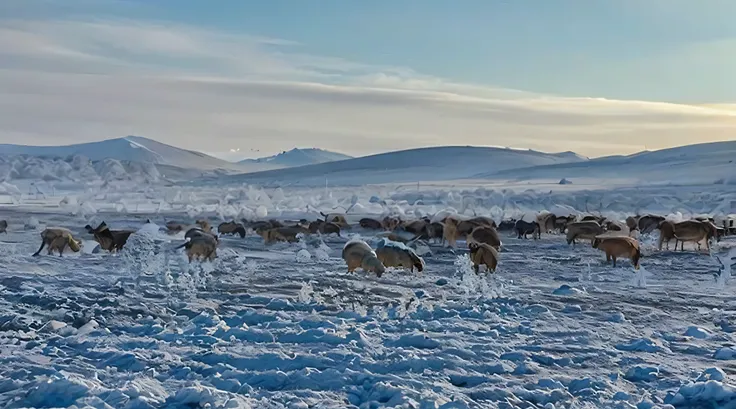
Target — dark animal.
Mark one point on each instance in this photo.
(110, 240)
(371, 224)
(231, 228)
(523, 228)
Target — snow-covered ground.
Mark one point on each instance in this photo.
(285, 326)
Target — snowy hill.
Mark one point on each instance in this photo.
(424, 164)
(131, 149)
(298, 157)
(706, 163)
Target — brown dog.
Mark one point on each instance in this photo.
(483, 254)
(619, 246)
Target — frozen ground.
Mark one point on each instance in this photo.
(271, 328)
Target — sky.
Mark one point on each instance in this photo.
(248, 78)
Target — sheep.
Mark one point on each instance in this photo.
(358, 254)
(483, 254)
(394, 254)
(583, 230)
(619, 246)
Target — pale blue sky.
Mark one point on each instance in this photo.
(273, 59)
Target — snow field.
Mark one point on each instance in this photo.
(269, 327)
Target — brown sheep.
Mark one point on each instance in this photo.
(322, 227)
(465, 227)
(173, 226)
(338, 219)
(620, 246)
(392, 254)
(487, 235)
(58, 238)
(483, 254)
(232, 228)
(695, 231)
(449, 232)
(436, 231)
(649, 223)
(583, 230)
(358, 254)
(287, 234)
(632, 222)
(390, 223)
(201, 246)
(371, 224)
(547, 222)
(666, 233)
(110, 240)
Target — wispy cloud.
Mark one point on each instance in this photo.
(87, 79)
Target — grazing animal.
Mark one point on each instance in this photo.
(58, 238)
(546, 222)
(232, 228)
(583, 230)
(393, 254)
(196, 231)
(201, 246)
(173, 226)
(371, 224)
(110, 240)
(666, 233)
(390, 223)
(418, 227)
(287, 234)
(507, 225)
(483, 254)
(358, 254)
(465, 227)
(523, 228)
(449, 232)
(484, 234)
(262, 225)
(632, 222)
(322, 227)
(204, 225)
(695, 231)
(561, 222)
(4, 226)
(435, 230)
(649, 223)
(619, 246)
(338, 219)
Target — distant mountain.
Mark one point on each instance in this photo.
(130, 149)
(706, 163)
(298, 157)
(424, 164)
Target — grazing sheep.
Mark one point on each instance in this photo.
(483, 254)
(287, 234)
(465, 227)
(371, 224)
(58, 238)
(546, 222)
(418, 227)
(561, 222)
(232, 228)
(449, 232)
(435, 230)
(322, 227)
(358, 254)
(619, 246)
(393, 254)
(110, 240)
(583, 230)
(390, 223)
(695, 231)
(649, 223)
(204, 225)
(4, 226)
(632, 222)
(196, 231)
(174, 227)
(507, 225)
(666, 234)
(523, 228)
(338, 219)
(201, 246)
(484, 234)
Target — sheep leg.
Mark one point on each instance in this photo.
(614, 260)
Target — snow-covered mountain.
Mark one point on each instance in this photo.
(131, 149)
(424, 164)
(705, 163)
(298, 157)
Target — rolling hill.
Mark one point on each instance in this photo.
(132, 149)
(423, 164)
(298, 157)
(705, 163)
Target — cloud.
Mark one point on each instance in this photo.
(66, 81)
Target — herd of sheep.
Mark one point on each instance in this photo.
(617, 239)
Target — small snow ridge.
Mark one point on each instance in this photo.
(303, 256)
